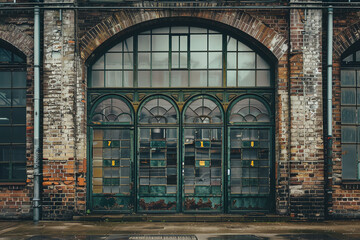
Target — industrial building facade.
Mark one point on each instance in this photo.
(179, 107)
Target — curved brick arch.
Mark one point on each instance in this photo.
(346, 39)
(14, 36)
(272, 40)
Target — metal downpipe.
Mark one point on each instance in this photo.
(36, 199)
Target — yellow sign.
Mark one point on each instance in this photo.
(113, 163)
(201, 143)
(109, 143)
(202, 163)
(252, 163)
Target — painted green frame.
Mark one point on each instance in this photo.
(90, 129)
(257, 125)
(136, 160)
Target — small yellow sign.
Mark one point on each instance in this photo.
(202, 163)
(252, 163)
(252, 143)
(109, 143)
(201, 143)
(113, 163)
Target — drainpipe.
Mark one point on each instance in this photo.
(36, 199)
(329, 100)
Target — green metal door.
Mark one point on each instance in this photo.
(111, 168)
(249, 169)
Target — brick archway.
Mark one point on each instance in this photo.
(14, 36)
(119, 21)
(346, 39)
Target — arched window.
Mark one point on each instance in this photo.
(350, 115)
(12, 116)
(249, 110)
(203, 110)
(112, 110)
(157, 111)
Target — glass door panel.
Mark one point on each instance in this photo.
(202, 173)
(158, 178)
(111, 170)
(249, 164)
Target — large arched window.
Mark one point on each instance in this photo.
(12, 116)
(350, 115)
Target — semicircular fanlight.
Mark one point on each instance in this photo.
(249, 110)
(158, 111)
(112, 110)
(203, 111)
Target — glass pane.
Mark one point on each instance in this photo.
(128, 60)
(5, 115)
(160, 78)
(5, 99)
(18, 59)
(113, 61)
(231, 60)
(243, 47)
(5, 153)
(144, 60)
(5, 136)
(231, 78)
(348, 134)
(160, 60)
(175, 43)
(246, 60)
(215, 78)
(246, 78)
(231, 44)
(198, 42)
(99, 64)
(19, 134)
(349, 162)
(198, 78)
(179, 78)
(215, 42)
(179, 29)
(19, 171)
(97, 78)
(348, 78)
(348, 96)
(198, 60)
(261, 63)
(357, 56)
(175, 60)
(19, 79)
(198, 30)
(18, 115)
(4, 167)
(117, 48)
(19, 154)
(144, 78)
(160, 43)
(5, 79)
(113, 79)
(144, 43)
(18, 97)
(348, 58)
(128, 79)
(348, 115)
(128, 44)
(215, 60)
(263, 78)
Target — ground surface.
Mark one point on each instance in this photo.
(50, 230)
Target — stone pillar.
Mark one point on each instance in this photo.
(307, 143)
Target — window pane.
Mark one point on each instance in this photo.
(215, 78)
(144, 42)
(198, 42)
(19, 134)
(348, 96)
(19, 79)
(349, 162)
(19, 154)
(347, 78)
(160, 60)
(113, 79)
(179, 78)
(246, 78)
(231, 44)
(263, 78)
(128, 60)
(198, 60)
(5, 78)
(348, 115)
(215, 60)
(5, 99)
(5, 55)
(128, 79)
(215, 42)
(4, 168)
(160, 43)
(160, 79)
(144, 60)
(246, 60)
(18, 115)
(231, 78)
(175, 60)
(99, 64)
(113, 61)
(231, 60)
(128, 45)
(19, 97)
(5, 115)
(144, 79)
(117, 48)
(97, 79)
(5, 136)
(197, 30)
(5, 153)
(243, 47)
(19, 171)
(261, 63)
(348, 134)
(179, 29)
(198, 78)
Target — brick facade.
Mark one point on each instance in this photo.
(293, 40)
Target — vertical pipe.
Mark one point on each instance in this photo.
(329, 71)
(36, 199)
